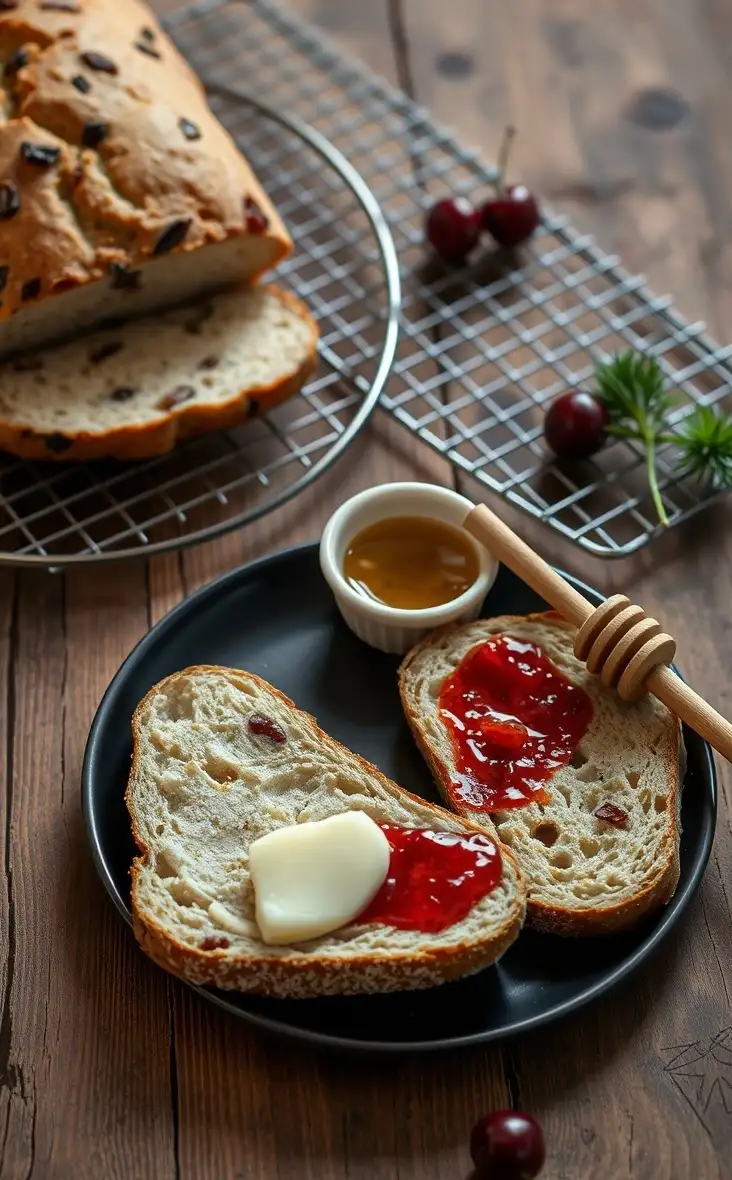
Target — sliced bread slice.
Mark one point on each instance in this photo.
(586, 875)
(132, 391)
(203, 787)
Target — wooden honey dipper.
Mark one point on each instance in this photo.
(617, 641)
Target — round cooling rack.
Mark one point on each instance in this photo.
(344, 267)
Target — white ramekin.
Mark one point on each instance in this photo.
(384, 627)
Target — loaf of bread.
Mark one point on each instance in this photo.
(134, 390)
(204, 786)
(120, 193)
(587, 875)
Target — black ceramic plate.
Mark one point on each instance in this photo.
(277, 618)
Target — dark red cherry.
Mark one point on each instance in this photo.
(453, 228)
(574, 425)
(511, 218)
(507, 1145)
(513, 214)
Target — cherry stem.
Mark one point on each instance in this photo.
(503, 154)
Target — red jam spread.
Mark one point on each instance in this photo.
(513, 719)
(434, 879)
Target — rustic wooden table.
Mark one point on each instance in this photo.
(110, 1069)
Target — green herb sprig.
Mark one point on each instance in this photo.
(633, 390)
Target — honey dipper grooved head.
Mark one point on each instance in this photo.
(594, 624)
(660, 650)
(611, 634)
(627, 647)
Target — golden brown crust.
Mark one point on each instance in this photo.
(310, 974)
(163, 159)
(185, 421)
(590, 921)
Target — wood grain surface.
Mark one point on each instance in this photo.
(111, 1071)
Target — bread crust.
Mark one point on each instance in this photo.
(182, 422)
(164, 165)
(580, 921)
(307, 975)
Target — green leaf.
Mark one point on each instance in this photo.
(632, 388)
(705, 442)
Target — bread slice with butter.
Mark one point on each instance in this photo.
(586, 876)
(211, 774)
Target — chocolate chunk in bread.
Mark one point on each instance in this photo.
(42, 155)
(93, 134)
(99, 61)
(15, 62)
(172, 236)
(190, 129)
(31, 289)
(144, 47)
(124, 279)
(9, 199)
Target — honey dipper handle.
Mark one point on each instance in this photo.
(692, 709)
(503, 543)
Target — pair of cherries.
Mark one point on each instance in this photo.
(575, 423)
(454, 225)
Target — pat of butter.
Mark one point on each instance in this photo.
(312, 878)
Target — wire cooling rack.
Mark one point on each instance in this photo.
(484, 349)
(481, 350)
(345, 268)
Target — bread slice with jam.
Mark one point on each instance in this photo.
(222, 758)
(599, 844)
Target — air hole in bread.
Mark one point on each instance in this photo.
(633, 777)
(562, 860)
(614, 881)
(176, 708)
(660, 803)
(590, 774)
(435, 686)
(645, 800)
(159, 829)
(220, 770)
(547, 833)
(181, 893)
(163, 867)
(589, 847)
(578, 758)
